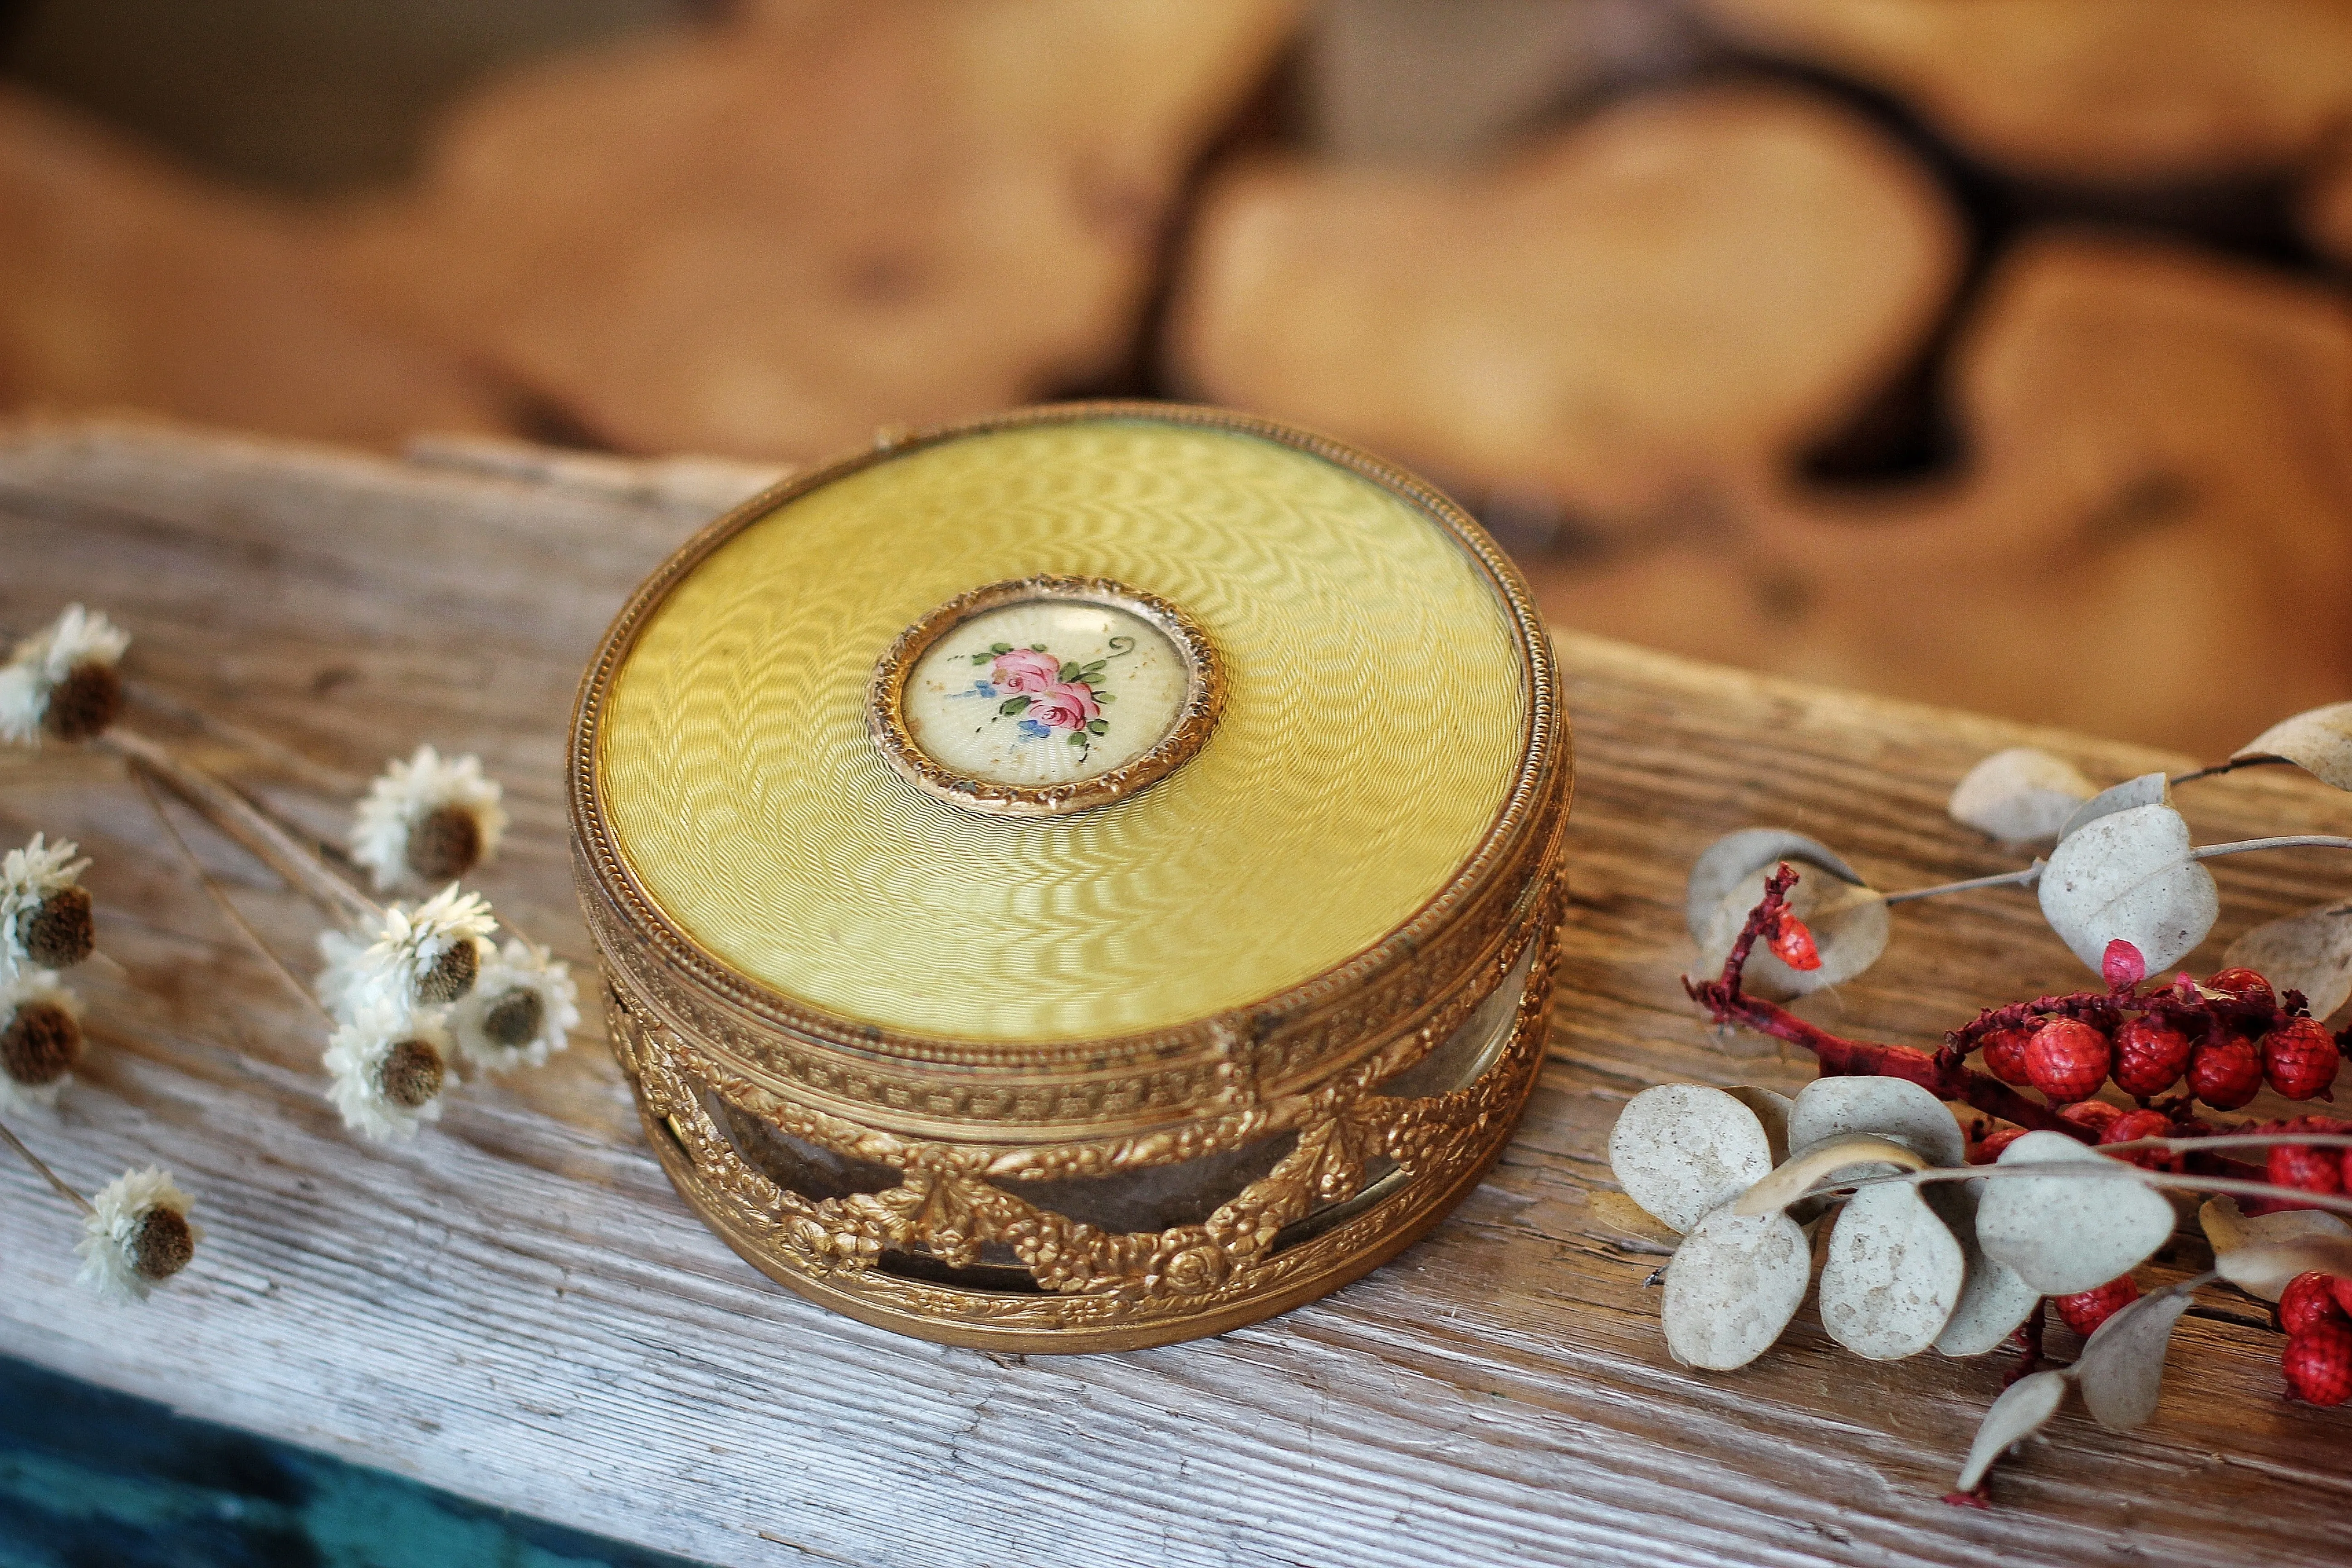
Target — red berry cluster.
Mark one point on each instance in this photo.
(2315, 1311)
(2315, 1170)
(2085, 1310)
(2227, 1036)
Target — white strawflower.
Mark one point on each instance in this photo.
(427, 957)
(427, 819)
(61, 680)
(389, 1072)
(40, 1038)
(519, 1012)
(45, 917)
(138, 1235)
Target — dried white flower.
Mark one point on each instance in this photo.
(520, 1010)
(427, 957)
(40, 1038)
(138, 1235)
(427, 819)
(44, 912)
(62, 680)
(390, 1071)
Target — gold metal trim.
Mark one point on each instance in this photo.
(967, 1125)
(1204, 695)
(1098, 1291)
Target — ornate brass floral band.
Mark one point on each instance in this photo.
(1271, 1122)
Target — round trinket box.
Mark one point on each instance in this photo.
(1080, 879)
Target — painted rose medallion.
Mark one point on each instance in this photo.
(1043, 696)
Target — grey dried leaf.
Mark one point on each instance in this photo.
(2310, 953)
(1848, 921)
(2121, 1369)
(1682, 1149)
(1772, 1109)
(2265, 1268)
(1644, 1230)
(1886, 1107)
(2228, 1229)
(2128, 875)
(1732, 1287)
(2148, 789)
(2069, 1232)
(2021, 795)
(1734, 857)
(2023, 1409)
(1894, 1276)
(2319, 742)
(1994, 1299)
(1855, 1154)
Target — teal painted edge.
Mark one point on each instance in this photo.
(88, 1477)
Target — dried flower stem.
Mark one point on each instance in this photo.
(2068, 1170)
(42, 1166)
(2231, 766)
(2291, 841)
(285, 759)
(2024, 876)
(220, 897)
(2232, 1140)
(299, 867)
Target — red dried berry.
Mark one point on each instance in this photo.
(2300, 1058)
(1792, 944)
(2319, 1364)
(2313, 1169)
(2149, 1057)
(2005, 1054)
(2123, 965)
(2309, 1301)
(2134, 1125)
(2091, 1115)
(2243, 986)
(2342, 1289)
(1986, 1150)
(2225, 1072)
(2085, 1310)
(2067, 1059)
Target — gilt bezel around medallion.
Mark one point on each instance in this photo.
(1196, 715)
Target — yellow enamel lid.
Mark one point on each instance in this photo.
(1377, 666)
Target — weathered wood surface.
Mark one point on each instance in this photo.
(515, 1307)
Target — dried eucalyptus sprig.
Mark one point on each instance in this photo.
(2121, 867)
(1951, 1243)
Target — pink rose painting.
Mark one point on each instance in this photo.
(1066, 705)
(1052, 696)
(1026, 669)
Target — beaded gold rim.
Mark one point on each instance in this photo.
(886, 701)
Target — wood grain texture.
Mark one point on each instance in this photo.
(516, 1307)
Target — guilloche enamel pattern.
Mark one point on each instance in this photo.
(1080, 879)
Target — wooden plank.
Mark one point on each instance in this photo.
(517, 1308)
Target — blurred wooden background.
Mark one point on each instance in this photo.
(1995, 352)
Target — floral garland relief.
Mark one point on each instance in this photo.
(1959, 1200)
